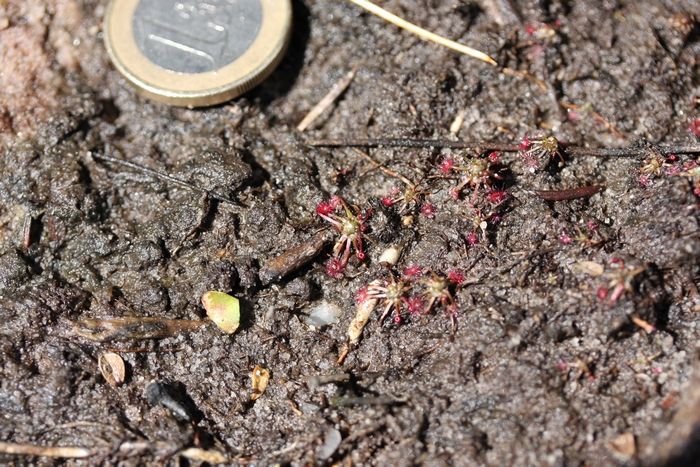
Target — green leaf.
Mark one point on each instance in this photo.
(223, 310)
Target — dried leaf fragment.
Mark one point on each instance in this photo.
(223, 310)
(112, 368)
(362, 312)
(589, 267)
(294, 258)
(624, 445)
(203, 455)
(260, 377)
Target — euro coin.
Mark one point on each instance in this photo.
(196, 52)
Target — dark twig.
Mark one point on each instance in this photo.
(566, 195)
(630, 151)
(368, 400)
(411, 143)
(166, 177)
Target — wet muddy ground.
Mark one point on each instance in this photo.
(542, 367)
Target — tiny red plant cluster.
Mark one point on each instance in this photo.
(620, 280)
(694, 127)
(412, 196)
(586, 237)
(404, 200)
(350, 223)
(537, 152)
(542, 31)
(393, 294)
(474, 173)
(416, 293)
(484, 205)
(484, 213)
(691, 169)
(656, 165)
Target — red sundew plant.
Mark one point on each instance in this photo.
(405, 199)
(428, 210)
(412, 272)
(584, 237)
(474, 173)
(656, 165)
(415, 305)
(446, 165)
(335, 268)
(472, 238)
(496, 197)
(691, 169)
(653, 166)
(456, 277)
(694, 127)
(480, 222)
(349, 222)
(565, 238)
(620, 280)
(437, 291)
(394, 294)
(413, 294)
(537, 152)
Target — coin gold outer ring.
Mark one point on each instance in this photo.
(198, 89)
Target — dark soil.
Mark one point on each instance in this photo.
(539, 371)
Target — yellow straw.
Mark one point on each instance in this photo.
(422, 33)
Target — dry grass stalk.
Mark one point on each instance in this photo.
(335, 92)
(44, 451)
(423, 33)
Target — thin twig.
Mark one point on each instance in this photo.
(410, 143)
(46, 451)
(335, 92)
(502, 147)
(27, 231)
(525, 75)
(167, 349)
(166, 177)
(423, 33)
(588, 108)
(378, 165)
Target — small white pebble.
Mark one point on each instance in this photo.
(323, 314)
(390, 256)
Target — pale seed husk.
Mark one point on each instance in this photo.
(112, 368)
(260, 377)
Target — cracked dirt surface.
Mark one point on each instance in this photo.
(539, 371)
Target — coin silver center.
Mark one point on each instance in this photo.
(190, 36)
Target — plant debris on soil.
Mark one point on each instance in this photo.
(542, 306)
